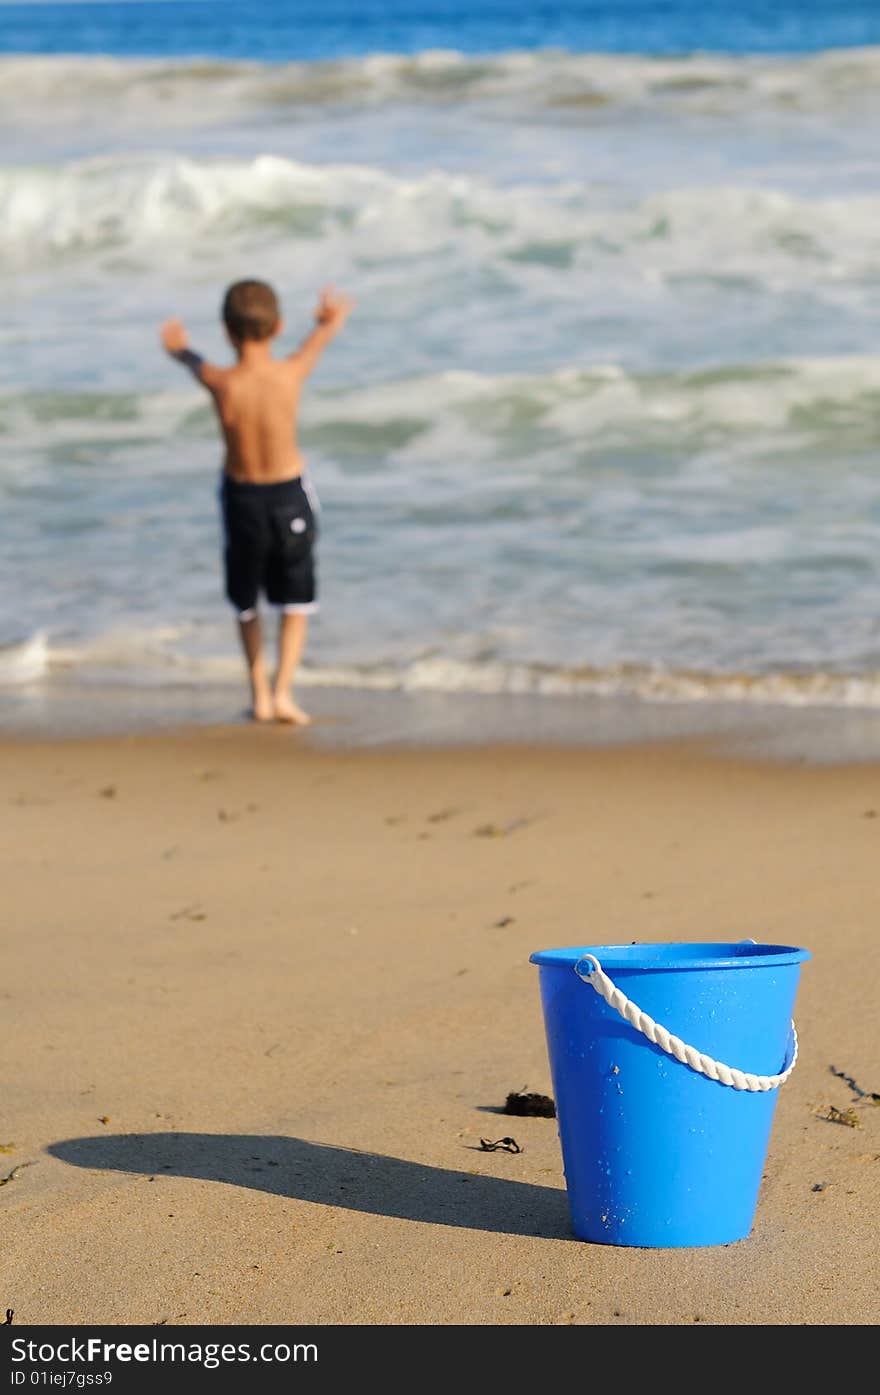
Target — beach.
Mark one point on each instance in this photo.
(597, 660)
(263, 997)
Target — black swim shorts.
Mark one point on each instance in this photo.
(269, 531)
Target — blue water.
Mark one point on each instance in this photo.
(288, 29)
(606, 416)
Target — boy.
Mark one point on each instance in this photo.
(268, 508)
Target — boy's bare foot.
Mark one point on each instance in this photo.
(263, 709)
(287, 711)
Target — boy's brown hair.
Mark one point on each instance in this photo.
(251, 310)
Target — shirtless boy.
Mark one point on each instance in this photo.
(269, 509)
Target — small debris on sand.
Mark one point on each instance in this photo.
(11, 1176)
(523, 1105)
(497, 830)
(872, 1095)
(849, 1117)
(507, 1145)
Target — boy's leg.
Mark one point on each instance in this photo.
(252, 644)
(246, 536)
(292, 629)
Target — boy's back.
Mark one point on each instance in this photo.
(257, 398)
(257, 402)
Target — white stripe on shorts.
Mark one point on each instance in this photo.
(310, 491)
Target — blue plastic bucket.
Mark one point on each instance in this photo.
(655, 1153)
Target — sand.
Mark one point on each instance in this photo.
(260, 1000)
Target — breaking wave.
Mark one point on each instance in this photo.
(802, 401)
(152, 659)
(145, 205)
(572, 85)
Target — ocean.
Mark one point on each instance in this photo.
(606, 418)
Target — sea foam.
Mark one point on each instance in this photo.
(152, 204)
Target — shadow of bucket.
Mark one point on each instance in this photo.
(656, 1153)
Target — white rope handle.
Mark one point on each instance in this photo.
(596, 977)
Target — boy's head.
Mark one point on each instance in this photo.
(251, 311)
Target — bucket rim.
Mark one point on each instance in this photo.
(678, 954)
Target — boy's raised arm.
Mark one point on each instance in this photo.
(175, 341)
(332, 312)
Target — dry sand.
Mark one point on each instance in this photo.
(259, 1001)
